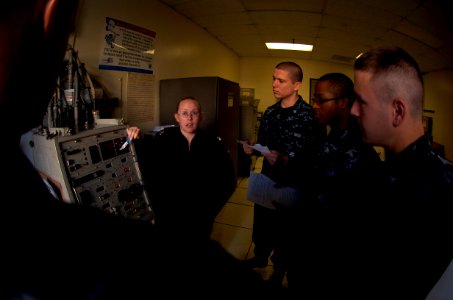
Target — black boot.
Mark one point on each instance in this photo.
(276, 279)
(256, 262)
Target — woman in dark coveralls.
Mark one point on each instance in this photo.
(191, 174)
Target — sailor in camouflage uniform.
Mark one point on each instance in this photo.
(289, 129)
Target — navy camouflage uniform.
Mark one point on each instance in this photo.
(394, 242)
(419, 192)
(294, 132)
(344, 160)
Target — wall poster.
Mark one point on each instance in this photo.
(127, 47)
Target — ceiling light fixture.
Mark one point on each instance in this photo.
(289, 46)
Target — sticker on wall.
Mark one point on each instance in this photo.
(127, 47)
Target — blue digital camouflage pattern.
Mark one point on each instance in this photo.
(344, 160)
(418, 173)
(292, 131)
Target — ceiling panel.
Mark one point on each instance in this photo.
(284, 5)
(225, 19)
(419, 33)
(288, 18)
(362, 12)
(338, 29)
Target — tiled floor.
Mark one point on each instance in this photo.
(233, 227)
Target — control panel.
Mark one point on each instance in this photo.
(93, 169)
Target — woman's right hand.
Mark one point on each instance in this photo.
(133, 133)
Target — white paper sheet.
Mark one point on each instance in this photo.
(257, 147)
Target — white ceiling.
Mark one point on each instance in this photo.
(338, 29)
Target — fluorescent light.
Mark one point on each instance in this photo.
(289, 46)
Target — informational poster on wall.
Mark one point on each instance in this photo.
(127, 47)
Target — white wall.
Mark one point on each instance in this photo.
(186, 50)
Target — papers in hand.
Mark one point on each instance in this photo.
(257, 147)
(264, 191)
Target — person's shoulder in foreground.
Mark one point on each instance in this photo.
(56, 250)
